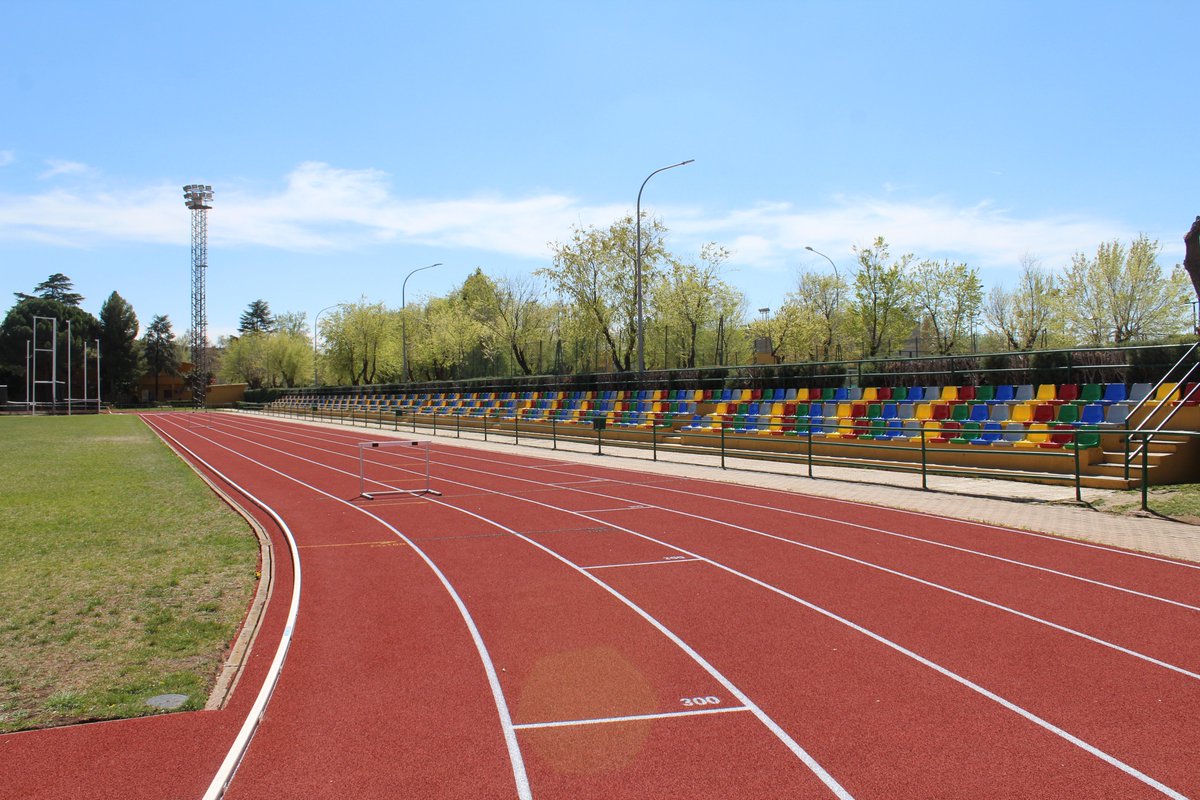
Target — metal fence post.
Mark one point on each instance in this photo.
(1145, 473)
(1079, 491)
(924, 463)
(653, 441)
(485, 417)
(722, 444)
(809, 427)
(517, 427)
(457, 425)
(553, 433)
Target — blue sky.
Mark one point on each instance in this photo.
(348, 144)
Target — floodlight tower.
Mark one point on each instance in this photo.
(198, 198)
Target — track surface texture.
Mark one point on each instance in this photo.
(545, 629)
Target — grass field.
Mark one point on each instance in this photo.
(122, 576)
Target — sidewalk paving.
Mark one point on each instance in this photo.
(1013, 504)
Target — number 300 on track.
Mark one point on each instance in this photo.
(691, 702)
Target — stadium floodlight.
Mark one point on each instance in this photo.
(403, 332)
(637, 253)
(198, 197)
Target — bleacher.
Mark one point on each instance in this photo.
(950, 424)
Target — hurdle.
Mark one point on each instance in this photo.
(364, 447)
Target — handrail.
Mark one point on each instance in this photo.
(1153, 391)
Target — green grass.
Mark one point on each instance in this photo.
(122, 576)
(1179, 501)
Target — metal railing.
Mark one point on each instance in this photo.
(1062, 461)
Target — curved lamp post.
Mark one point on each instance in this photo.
(641, 328)
(403, 331)
(315, 330)
(830, 260)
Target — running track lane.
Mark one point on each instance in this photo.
(618, 667)
(1172, 752)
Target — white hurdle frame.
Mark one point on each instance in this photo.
(362, 448)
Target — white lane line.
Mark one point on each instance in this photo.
(910, 537)
(819, 771)
(524, 792)
(936, 543)
(632, 718)
(665, 560)
(1038, 620)
(963, 681)
(906, 511)
(638, 507)
(1008, 704)
(233, 758)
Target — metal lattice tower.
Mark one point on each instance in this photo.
(198, 198)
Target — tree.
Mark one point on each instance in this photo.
(1030, 311)
(510, 312)
(880, 309)
(158, 349)
(118, 347)
(1121, 295)
(57, 288)
(594, 272)
(244, 360)
(818, 298)
(16, 334)
(257, 318)
(363, 342)
(688, 299)
(949, 296)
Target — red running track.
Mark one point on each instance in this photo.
(556, 630)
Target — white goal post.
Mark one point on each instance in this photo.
(367, 447)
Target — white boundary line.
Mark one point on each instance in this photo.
(510, 737)
(237, 751)
(633, 718)
(820, 772)
(966, 682)
(643, 563)
(882, 531)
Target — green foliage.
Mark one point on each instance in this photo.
(17, 331)
(158, 350)
(57, 288)
(118, 348)
(362, 344)
(595, 273)
(881, 310)
(1122, 295)
(257, 318)
(1022, 316)
(949, 297)
(688, 300)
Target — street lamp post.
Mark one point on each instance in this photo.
(403, 331)
(315, 334)
(1195, 316)
(836, 274)
(641, 328)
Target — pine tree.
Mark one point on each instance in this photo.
(118, 333)
(257, 318)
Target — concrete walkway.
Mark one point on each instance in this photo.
(1027, 506)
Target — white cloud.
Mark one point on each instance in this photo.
(7, 157)
(320, 207)
(58, 167)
